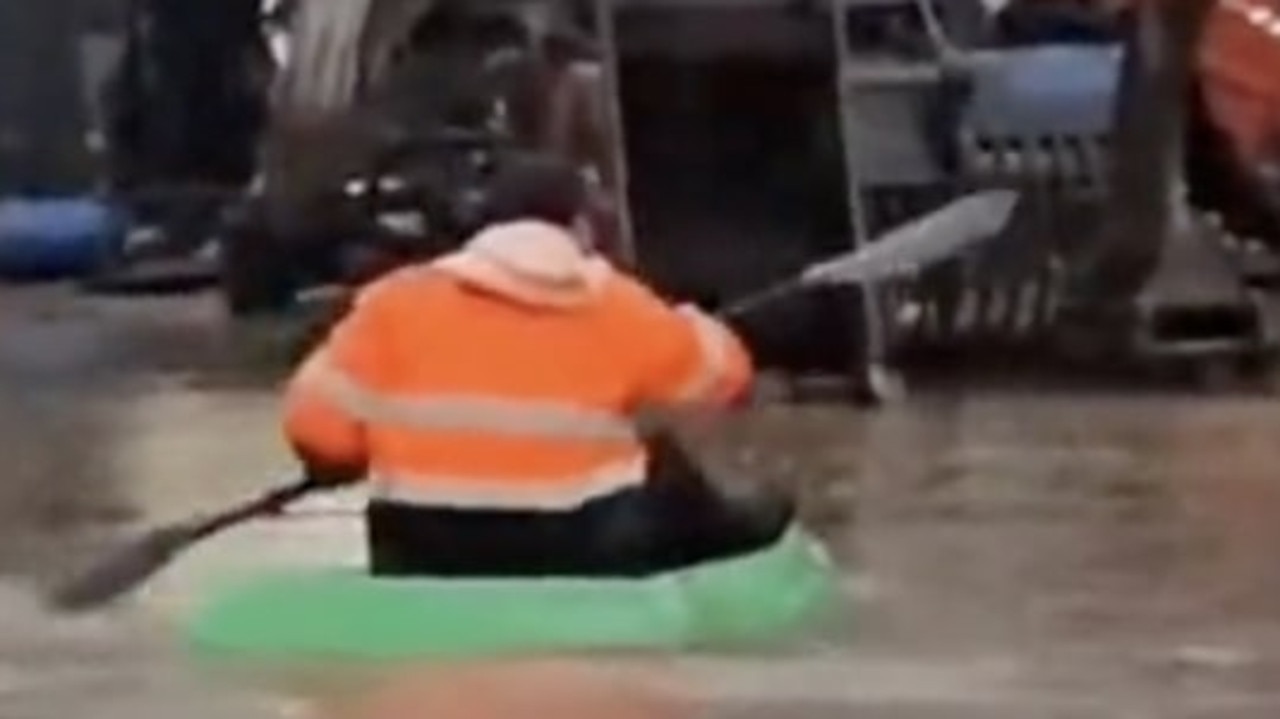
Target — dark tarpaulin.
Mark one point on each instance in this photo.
(42, 115)
(187, 103)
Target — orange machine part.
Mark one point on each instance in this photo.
(1239, 62)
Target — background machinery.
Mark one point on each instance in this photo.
(1093, 110)
(736, 141)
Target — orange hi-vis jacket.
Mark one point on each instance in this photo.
(505, 376)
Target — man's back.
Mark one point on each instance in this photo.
(516, 362)
(440, 332)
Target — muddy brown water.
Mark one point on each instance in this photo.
(1082, 554)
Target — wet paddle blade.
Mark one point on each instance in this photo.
(136, 562)
(122, 570)
(937, 236)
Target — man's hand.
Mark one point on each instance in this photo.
(330, 474)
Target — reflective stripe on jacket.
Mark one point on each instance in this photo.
(505, 376)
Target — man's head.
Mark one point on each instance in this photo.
(537, 187)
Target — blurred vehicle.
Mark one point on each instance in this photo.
(414, 104)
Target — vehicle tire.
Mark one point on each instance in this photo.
(254, 272)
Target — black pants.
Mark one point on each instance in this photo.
(676, 519)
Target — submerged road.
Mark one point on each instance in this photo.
(1067, 555)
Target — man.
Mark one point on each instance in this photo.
(489, 398)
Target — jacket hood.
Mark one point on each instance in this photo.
(530, 262)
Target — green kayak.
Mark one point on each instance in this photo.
(347, 614)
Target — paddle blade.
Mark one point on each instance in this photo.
(937, 236)
(122, 570)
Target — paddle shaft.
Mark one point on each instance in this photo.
(789, 287)
(931, 238)
(773, 293)
(267, 504)
(779, 290)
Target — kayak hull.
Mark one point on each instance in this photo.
(345, 614)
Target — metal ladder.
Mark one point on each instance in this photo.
(874, 378)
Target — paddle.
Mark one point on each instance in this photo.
(926, 240)
(937, 236)
(136, 561)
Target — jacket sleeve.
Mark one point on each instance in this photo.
(695, 360)
(326, 401)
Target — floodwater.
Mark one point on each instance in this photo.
(1062, 555)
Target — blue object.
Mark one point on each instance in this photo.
(54, 238)
(1046, 90)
